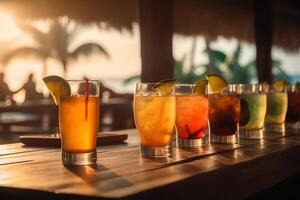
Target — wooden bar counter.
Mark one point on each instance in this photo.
(213, 172)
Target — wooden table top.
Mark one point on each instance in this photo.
(215, 171)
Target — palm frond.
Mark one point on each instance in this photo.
(281, 74)
(87, 49)
(236, 54)
(218, 56)
(58, 38)
(39, 36)
(134, 78)
(23, 52)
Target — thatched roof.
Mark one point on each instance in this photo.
(211, 18)
(116, 13)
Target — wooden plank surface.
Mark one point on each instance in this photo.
(247, 167)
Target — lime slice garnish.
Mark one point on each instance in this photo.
(245, 113)
(279, 85)
(58, 87)
(216, 82)
(200, 87)
(164, 86)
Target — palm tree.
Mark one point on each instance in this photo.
(54, 43)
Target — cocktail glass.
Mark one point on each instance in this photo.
(253, 111)
(154, 115)
(224, 115)
(191, 116)
(277, 103)
(79, 123)
(292, 120)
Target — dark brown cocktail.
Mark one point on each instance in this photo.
(293, 114)
(224, 115)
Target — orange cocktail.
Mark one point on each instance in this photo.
(79, 123)
(78, 104)
(191, 116)
(154, 115)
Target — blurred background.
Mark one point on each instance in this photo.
(102, 40)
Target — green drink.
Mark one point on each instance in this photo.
(277, 104)
(276, 111)
(253, 111)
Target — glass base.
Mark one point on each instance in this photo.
(251, 134)
(275, 127)
(79, 158)
(156, 152)
(181, 142)
(292, 125)
(224, 139)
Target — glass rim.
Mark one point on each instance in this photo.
(270, 89)
(74, 80)
(150, 83)
(185, 84)
(222, 92)
(250, 84)
(251, 89)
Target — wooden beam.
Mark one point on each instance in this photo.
(156, 31)
(263, 38)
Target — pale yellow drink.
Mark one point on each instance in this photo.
(277, 108)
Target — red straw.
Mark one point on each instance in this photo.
(86, 95)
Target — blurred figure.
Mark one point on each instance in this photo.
(5, 92)
(30, 91)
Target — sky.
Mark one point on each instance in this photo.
(124, 49)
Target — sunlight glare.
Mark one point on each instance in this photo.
(9, 29)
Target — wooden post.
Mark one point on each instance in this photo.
(263, 39)
(156, 31)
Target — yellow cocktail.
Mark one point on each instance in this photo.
(154, 115)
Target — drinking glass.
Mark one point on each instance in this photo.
(191, 116)
(292, 121)
(277, 103)
(154, 116)
(224, 115)
(253, 111)
(79, 123)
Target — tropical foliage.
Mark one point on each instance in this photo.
(54, 43)
(229, 66)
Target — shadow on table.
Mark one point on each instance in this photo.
(99, 177)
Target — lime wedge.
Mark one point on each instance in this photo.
(279, 85)
(200, 87)
(216, 82)
(58, 87)
(164, 86)
(245, 113)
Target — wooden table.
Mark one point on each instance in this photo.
(214, 172)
